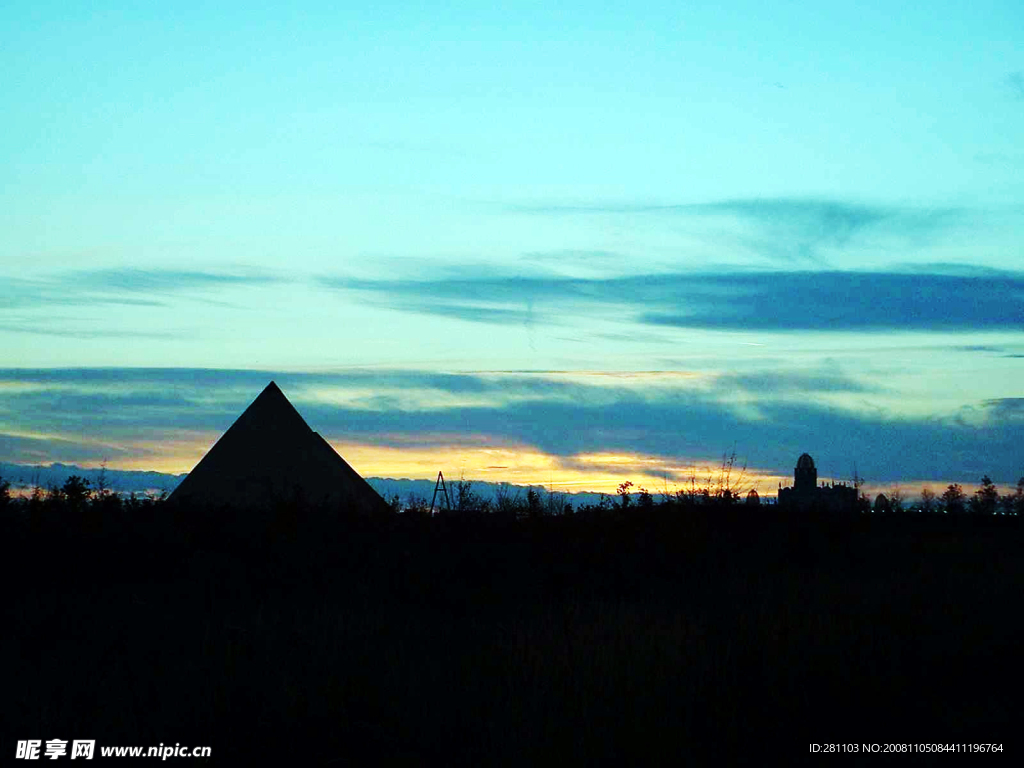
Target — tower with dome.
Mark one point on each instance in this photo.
(806, 494)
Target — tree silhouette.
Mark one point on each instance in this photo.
(416, 506)
(1006, 504)
(645, 500)
(507, 503)
(953, 498)
(623, 492)
(927, 500)
(467, 501)
(533, 506)
(985, 498)
(896, 499)
(1018, 498)
(75, 492)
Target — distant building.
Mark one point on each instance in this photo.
(806, 494)
(271, 455)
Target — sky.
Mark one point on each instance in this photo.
(569, 245)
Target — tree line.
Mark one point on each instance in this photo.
(93, 506)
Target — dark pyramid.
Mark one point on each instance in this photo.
(271, 454)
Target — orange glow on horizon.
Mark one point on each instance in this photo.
(476, 457)
(525, 465)
(473, 458)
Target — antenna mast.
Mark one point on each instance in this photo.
(440, 486)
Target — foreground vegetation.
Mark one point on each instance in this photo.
(651, 633)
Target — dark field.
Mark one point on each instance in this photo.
(653, 636)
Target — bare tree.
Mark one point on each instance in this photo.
(507, 502)
(101, 481)
(927, 500)
(896, 498)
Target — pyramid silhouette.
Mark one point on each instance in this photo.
(270, 454)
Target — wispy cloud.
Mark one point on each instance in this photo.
(18, 293)
(825, 219)
(783, 229)
(478, 314)
(976, 348)
(126, 286)
(45, 450)
(726, 299)
(86, 333)
(1000, 350)
(575, 257)
(162, 281)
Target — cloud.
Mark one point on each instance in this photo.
(976, 348)
(825, 219)
(43, 449)
(851, 301)
(122, 286)
(1002, 350)
(1006, 408)
(940, 300)
(88, 416)
(500, 301)
(126, 415)
(576, 257)
(784, 229)
(208, 381)
(18, 293)
(473, 314)
(164, 280)
(690, 426)
(778, 382)
(82, 333)
(114, 401)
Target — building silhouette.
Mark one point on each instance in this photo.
(270, 455)
(807, 495)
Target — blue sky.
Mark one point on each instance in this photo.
(644, 235)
